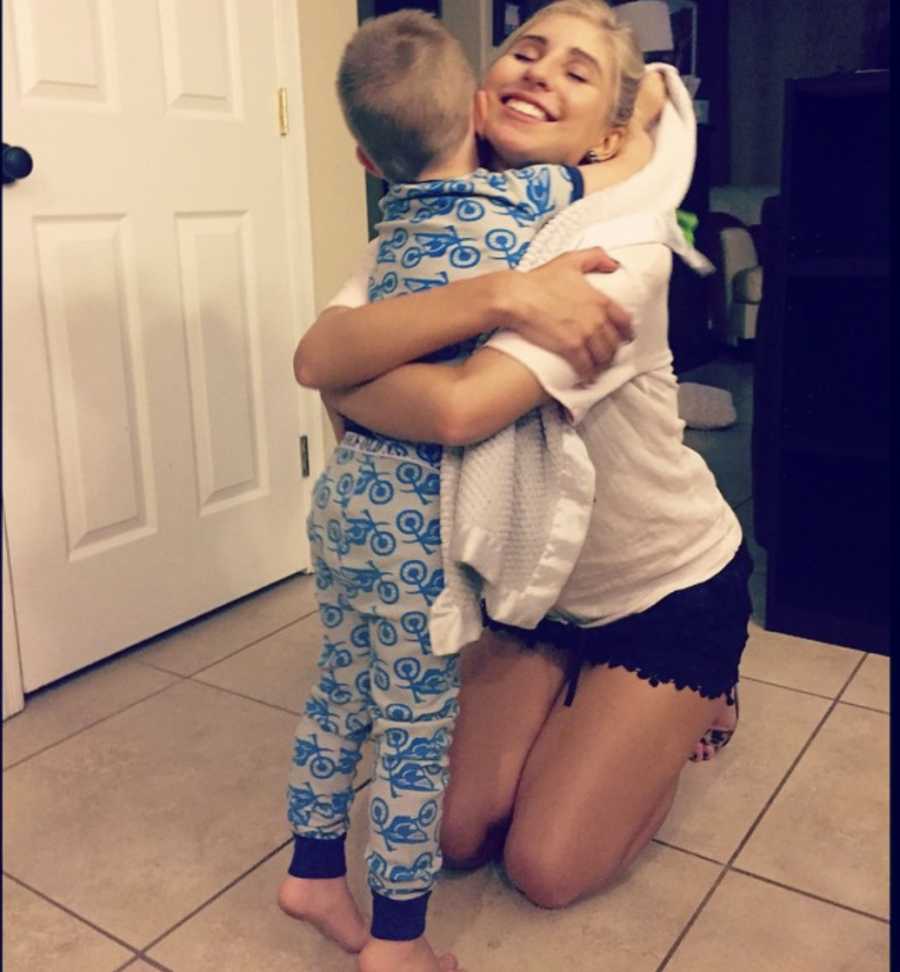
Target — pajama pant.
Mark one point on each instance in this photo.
(374, 532)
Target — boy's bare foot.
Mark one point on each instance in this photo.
(380, 955)
(326, 903)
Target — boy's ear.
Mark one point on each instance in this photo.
(367, 163)
(480, 111)
(609, 145)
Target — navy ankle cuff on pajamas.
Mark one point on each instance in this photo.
(316, 857)
(398, 920)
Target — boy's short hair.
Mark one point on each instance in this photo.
(406, 90)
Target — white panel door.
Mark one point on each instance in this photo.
(157, 276)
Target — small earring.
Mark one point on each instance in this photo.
(592, 157)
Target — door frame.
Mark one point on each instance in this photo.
(13, 692)
(295, 167)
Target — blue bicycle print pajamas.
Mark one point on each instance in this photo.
(374, 533)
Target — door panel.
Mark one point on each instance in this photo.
(97, 375)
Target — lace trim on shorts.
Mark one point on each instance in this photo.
(693, 638)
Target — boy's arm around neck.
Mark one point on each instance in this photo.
(636, 152)
(637, 146)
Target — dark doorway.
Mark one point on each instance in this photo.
(378, 8)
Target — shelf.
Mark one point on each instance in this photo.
(829, 556)
(836, 201)
(836, 267)
(823, 380)
(847, 84)
(800, 445)
(817, 624)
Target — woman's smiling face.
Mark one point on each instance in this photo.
(549, 97)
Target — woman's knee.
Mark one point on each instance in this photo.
(550, 878)
(474, 823)
(468, 841)
(462, 847)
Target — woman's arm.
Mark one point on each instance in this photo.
(450, 404)
(464, 403)
(336, 420)
(552, 306)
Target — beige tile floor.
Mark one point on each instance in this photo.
(143, 818)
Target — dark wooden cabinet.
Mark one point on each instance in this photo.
(822, 386)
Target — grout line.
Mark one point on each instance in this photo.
(231, 654)
(216, 896)
(180, 678)
(815, 695)
(788, 688)
(251, 644)
(810, 894)
(846, 685)
(868, 708)
(143, 958)
(690, 853)
(74, 914)
(97, 722)
(752, 829)
(221, 611)
(249, 698)
(132, 652)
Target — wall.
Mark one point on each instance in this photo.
(770, 41)
(337, 185)
(471, 21)
(336, 181)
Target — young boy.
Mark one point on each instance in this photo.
(374, 529)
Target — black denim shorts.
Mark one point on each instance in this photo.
(692, 638)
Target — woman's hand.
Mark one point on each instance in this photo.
(554, 307)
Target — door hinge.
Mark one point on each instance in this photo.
(304, 455)
(282, 111)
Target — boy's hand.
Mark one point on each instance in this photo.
(554, 307)
(651, 98)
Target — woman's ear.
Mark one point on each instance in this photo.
(480, 112)
(608, 147)
(367, 163)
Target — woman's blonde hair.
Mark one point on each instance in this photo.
(627, 60)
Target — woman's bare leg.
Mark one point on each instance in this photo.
(599, 781)
(505, 698)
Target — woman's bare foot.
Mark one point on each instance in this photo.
(719, 733)
(326, 903)
(380, 955)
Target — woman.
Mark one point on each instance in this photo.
(572, 787)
